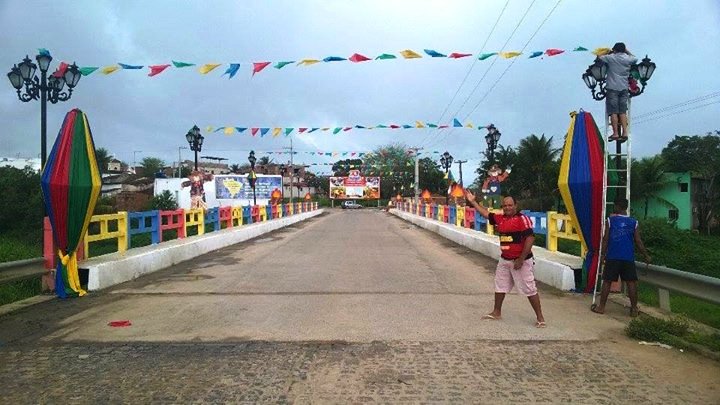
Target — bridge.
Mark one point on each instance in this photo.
(327, 305)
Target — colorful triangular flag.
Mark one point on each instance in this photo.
(434, 54)
(408, 54)
(356, 57)
(208, 67)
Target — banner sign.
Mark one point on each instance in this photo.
(354, 187)
(237, 187)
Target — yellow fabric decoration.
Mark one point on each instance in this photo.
(109, 69)
(229, 130)
(601, 51)
(276, 132)
(208, 67)
(511, 54)
(419, 124)
(208, 129)
(408, 54)
(308, 62)
(469, 125)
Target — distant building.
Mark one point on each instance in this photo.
(116, 166)
(208, 167)
(21, 163)
(676, 202)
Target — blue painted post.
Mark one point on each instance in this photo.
(453, 214)
(155, 227)
(247, 214)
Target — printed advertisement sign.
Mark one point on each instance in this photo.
(235, 187)
(355, 187)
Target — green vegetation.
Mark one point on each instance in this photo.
(19, 290)
(14, 247)
(675, 332)
(164, 201)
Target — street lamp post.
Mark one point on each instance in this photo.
(492, 138)
(252, 177)
(43, 88)
(446, 160)
(596, 76)
(283, 171)
(195, 140)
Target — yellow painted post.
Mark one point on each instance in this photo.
(122, 226)
(237, 214)
(459, 216)
(441, 209)
(552, 233)
(490, 229)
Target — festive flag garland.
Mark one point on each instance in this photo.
(257, 67)
(276, 131)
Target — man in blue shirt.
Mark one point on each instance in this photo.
(618, 253)
(616, 89)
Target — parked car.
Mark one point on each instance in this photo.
(351, 205)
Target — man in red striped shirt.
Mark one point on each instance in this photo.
(516, 264)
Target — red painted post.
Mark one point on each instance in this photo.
(48, 244)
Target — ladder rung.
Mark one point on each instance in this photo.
(617, 154)
(609, 186)
(617, 170)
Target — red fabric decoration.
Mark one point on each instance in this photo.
(157, 69)
(553, 52)
(393, 126)
(254, 131)
(259, 66)
(119, 324)
(356, 57)
(301, 130)
(347, 129)
(456, 55)
(60, 72)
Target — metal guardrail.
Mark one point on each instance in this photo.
(21, 269)
(666, 279)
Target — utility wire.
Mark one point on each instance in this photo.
(678, 105)
(482, 48)
(674, 113)
(527, 11)
(547, 17)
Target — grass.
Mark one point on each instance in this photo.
(675, 332)
(698, 310)
(19, 290)
(17, 248)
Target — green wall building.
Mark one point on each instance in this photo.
(675, 201)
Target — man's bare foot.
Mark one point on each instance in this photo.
(492, 316)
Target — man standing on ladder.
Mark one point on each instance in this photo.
(617, 93)
(618, 253)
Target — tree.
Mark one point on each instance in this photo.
(395, 159)
(163, 201)
(235, 168)
(432, 178)
(343, 167)
(320, 183)
(537, 169)
(103, 159)
(22, 202)
(699, 155)
(152, 165)
(647, 178)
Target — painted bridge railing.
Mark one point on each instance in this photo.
(123, 225)
(551, 224)
(560, 226)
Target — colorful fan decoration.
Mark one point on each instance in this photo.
(581, 187)
(71, 186)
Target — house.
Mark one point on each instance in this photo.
(116, 166)
(676, 200)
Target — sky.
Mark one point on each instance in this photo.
(135, 116)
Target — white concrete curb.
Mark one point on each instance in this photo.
(116, 268)
(552, 268)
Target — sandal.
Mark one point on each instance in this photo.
(491, 317)
(540, 324)
(613, 138)
(593, 308)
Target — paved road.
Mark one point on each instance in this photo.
(351, 306)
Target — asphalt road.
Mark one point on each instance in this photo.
(351, 306)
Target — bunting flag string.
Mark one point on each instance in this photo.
(287, 131)
(257, 67)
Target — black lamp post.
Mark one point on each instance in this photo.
(283, 171)
(195, 140)
(252, 177)
(446, 160)
(596, 76)
(29, 87)
(492, 138)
